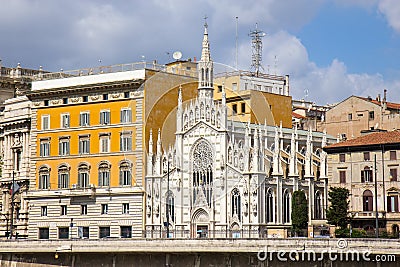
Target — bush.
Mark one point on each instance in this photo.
(345, 233)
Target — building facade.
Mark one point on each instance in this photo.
(356, 115)
(225, 178)
(368, 167)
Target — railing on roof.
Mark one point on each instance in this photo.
(250, 74)
(112, 69)
(20, 72)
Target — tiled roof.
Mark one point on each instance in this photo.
(379, 138)
(389, 105)
(297, 116)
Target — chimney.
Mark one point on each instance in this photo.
(384, 95)
(378, 98)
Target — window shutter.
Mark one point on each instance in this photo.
(389, 204)
(121, 177)
(396, 203)
(362, 177)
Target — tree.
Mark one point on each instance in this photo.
(299, 212)
(337, 213)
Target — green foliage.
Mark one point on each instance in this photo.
(345, 232)
(299, 212)
(337, 213)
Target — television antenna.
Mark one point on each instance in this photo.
(177, 55)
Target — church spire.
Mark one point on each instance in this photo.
(205, 68)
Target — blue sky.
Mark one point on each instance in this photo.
(330, 48)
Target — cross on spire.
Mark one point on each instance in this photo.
(205, 21)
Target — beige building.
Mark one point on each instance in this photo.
(355, 115)
(351, 164)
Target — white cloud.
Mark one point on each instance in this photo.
(391, 10)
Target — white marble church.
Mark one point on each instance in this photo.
(225, 178)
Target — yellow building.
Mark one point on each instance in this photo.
(87, 155)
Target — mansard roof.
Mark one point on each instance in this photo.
(369, 142)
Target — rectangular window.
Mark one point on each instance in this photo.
(234, 109)
(46, 103)
(63, 180)
(126, 115)
(43, 210)
(366, 156)
(104, 143)
(126, 94)
(104, 232)
(105, 96)
(63, 210)
(105, 117)
(126, 231)
(84, 209)
(234, 86)
(392, 204)
(371, 115)
(43, 233)
(83, 180)
(63, 232)
(342, 176)
(85, 98)
(125, 208)
(366, 175)
(83, 232)
(342, 157)
(104, 208)
(63, 148)
(44, 181)
(44, 147)
(126, 142)
(350, 116)
(104, 178)
(84, 144)
(243, 107)
(125, 177)
(393, 155)
(393, 175)
(65, 100)
(219, 88)
(45, 122)
(65, 120)
(84, 119)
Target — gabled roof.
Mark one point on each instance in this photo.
(367, 141)
(389, 105)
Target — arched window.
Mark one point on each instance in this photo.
(125, 173)
(269, 206)
(318, 205)
(44, 177)
(202, 172)
(63, 176)
(366, 175)
(104, 173)
(286, 206)
(236, 203)
(170, 205)
(367, 201)
(83, 175)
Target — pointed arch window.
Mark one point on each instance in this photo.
(202, 172)
(269, 205)
(286, 207)
(318, 206)
(171, 206)
(236, 203)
